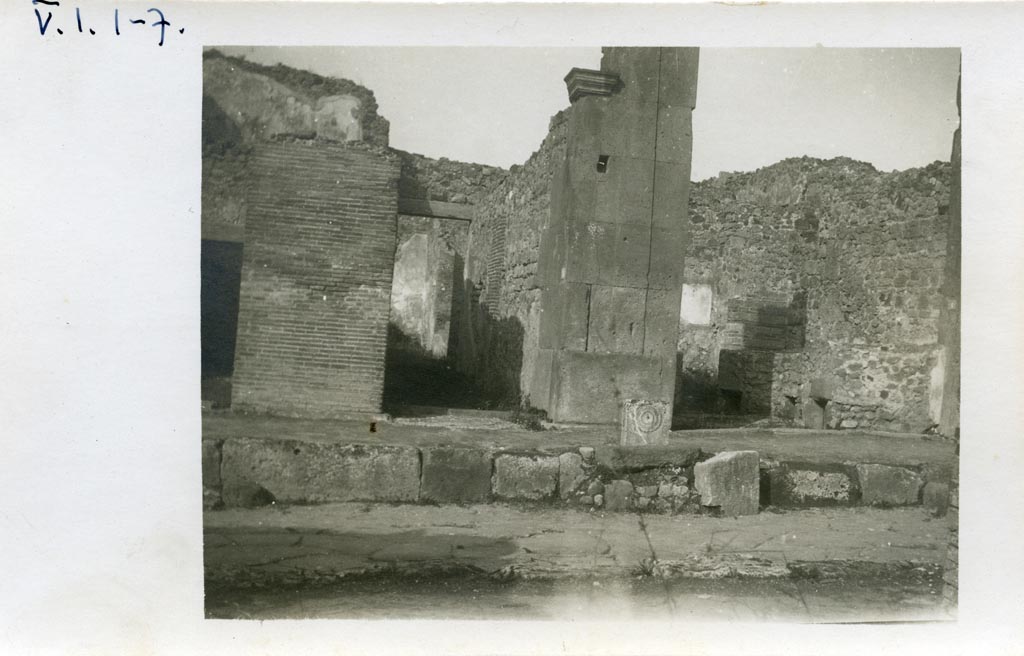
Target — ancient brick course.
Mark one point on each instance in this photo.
(316, 279)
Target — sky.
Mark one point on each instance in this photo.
(894, 108)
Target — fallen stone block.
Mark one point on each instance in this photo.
(294, 471)
(644, 422)
(525, 477)
(811, 485)
(885, 485)
(729, 481)
(570, 474)
(456, 475)
(618, 496)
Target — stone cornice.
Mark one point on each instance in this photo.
(584, 82)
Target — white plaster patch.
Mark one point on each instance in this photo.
(695, 306)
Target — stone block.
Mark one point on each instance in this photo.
(678, 82)
(211, 464)
(644, 422)
(525, 477)
(638, 68)
(812, 485)
(588, 453)
(588, 387)
(626, 459)
(675, 134)
(668, 245)
(570, 473)
(625, 263)
(618, 496)
(294, 471)
(211, 498)
(661, 323)
(671, 194)
(456, 475)
(587, 243)
(242, 494)
(540, 382)
(625, 191)
(574, 310)
(886, 485)
(935, 497)
(729, 481)
(623, 130)
(616, 320)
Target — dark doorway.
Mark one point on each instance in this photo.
(221, 277)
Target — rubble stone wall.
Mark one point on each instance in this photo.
(499, 314)
(836, 270)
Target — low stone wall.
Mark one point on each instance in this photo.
(653, 479)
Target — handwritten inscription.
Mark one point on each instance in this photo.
(152, 17)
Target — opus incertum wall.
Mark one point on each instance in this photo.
(316, 279)
(610, 264)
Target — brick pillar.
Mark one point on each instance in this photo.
(611, 259)
(316, 279)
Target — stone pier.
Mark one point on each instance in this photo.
(611, 261)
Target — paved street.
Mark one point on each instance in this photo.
(376, 560)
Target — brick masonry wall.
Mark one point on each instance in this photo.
(499, 317)
(316, 279)
(848, 260)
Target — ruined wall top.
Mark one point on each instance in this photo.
(244, 102)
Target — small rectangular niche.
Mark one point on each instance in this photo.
(602, 163)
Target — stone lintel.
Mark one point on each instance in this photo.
(585, 82)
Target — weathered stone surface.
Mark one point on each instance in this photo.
(595, 488)
(525, 477)
(644, 422)
(618, 495)
(297, 471)
(587, 387)
(456, 475)
(570, 473)
(935, 497)
(211, 498)
(244, 494)
(729, 481)
(809, 485)
(588, 453)
(616, 320)
(888, 486)
(211, 464)
(637, 458)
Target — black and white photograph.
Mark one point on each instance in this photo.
(622, 332)
(517, 329)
